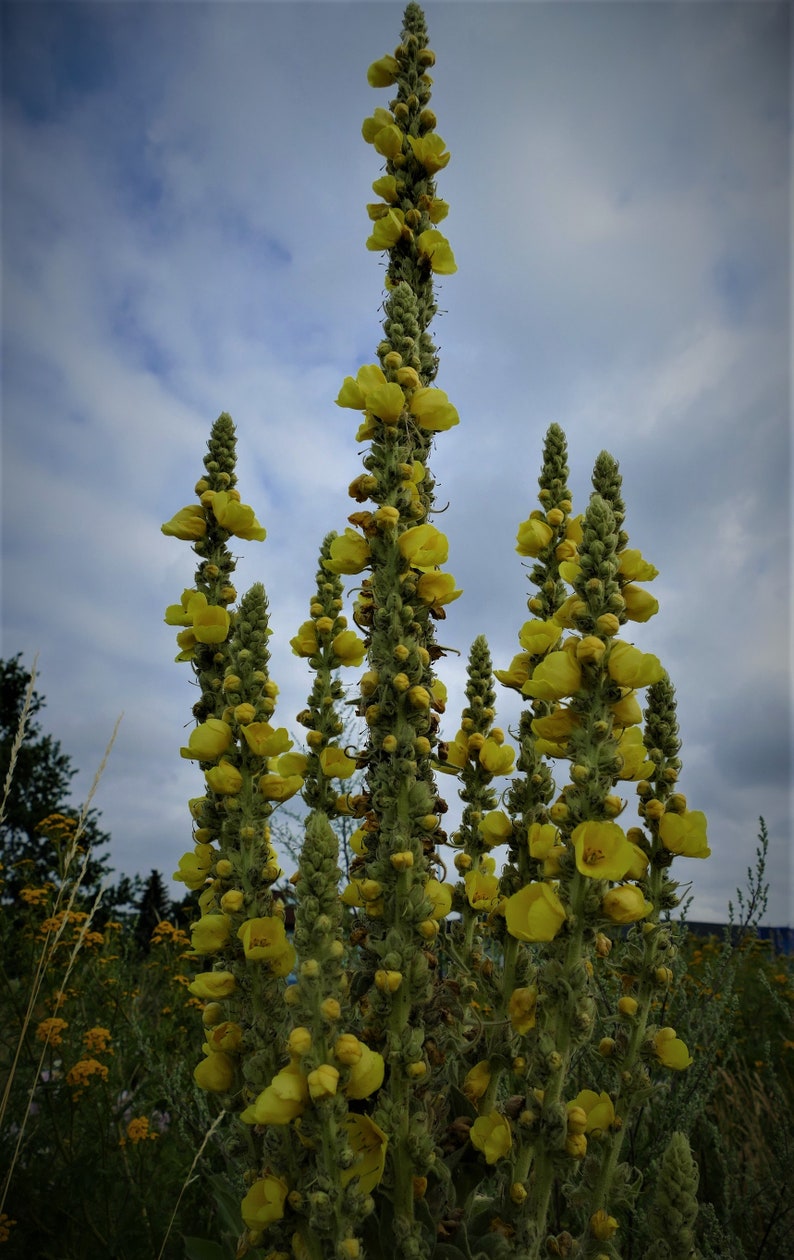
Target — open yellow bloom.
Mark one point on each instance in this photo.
(634, 568)
(189, 524)
(210, 934)
(369, 1144)
(521, 1009)
(440, 898)
(438, 251)
(496, 758)
(305, 641)
(383, 72)
(354, 392)
(671, 1051)
(482, 889)
(264, 1202)
(517, 673)
(349, 553)
(625, 904)
(556, 676)
(541, 838)
(629, 667)
(348, 648)
(335, 764)
(387, 402)
(208, 741)
(537, 637)
(238, 518)
(492, 1135)
(423, 546)
(477, 1080)
(282, 1101)
(366, 1074)
(436, 588)
(533, 536)
(213, 985)
(495, 828)
(276, 787)
(194, 867)
(602, 850)
(210, 622)
(556, 727)
(432, 409)
(263, 938)
(215, 1073)
(431, 151)
(225, 779)
(640, 604)
(599, 1109)
(685, 834)
(264, 741)
(634, 755)
(534, 913)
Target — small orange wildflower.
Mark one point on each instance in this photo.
(49, 1030)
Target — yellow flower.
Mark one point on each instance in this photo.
(224, 779)
(541, 838)
(436, 248)
(431, 151)
(458, 751)
(212, 985)
(264, 741)
(354, 392)
(388, 141)
(491, 1134)
(495, 828)
(629, 667)
(282, 1101)
(305, 641)
(194, 867)
(383, 72)
(557, 726)
(348, 648)
(482, 889)
(533, 536)
(275, 787)
(264, 1202)
(369, 1143)
(387, 402)
(521, 1009)
(208, 741)
(215, 1073)
(386, 187)
(627, 711)
(634, 568)
(335, 764)
(50, 1030)
(625, 904)
(671, 1051)
(210, 934)
(236, 517)
(210, 623)
(189, 524)
(436, 588)
(640, 605)
(517, 673)
(535, 913)
(263, 938)
(633, 755)
(556, 676)
(323, 1081)
(685, 834)
(477, 1080)
(79, 1075)
(366, 1074)
(602, 1225)
(225, 1037)
(371, 126)
(599, 1109)
(496, 758)
(536, 637)
(433, 410)
(423, 546)
(349, 553)
(602, 850)
(440, 898)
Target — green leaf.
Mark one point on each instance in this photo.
(204, 1249)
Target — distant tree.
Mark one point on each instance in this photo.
(154, 907)
(31, 836)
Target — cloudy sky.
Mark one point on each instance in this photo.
(183, 233)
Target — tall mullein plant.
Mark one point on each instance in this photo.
(402, 901)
